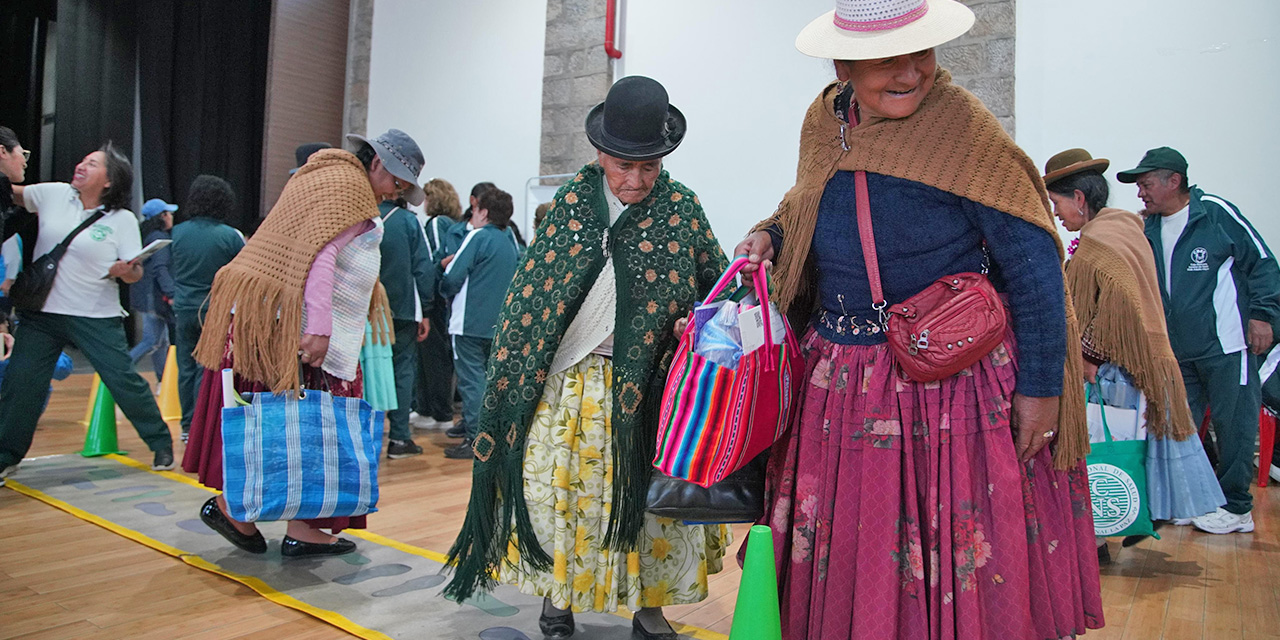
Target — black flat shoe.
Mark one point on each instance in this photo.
(556, 626)
(1129, 541)
(294, 548)
(638, 631)
(213, 517)
(1104, 556)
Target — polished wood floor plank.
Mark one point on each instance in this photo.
(1185, 618)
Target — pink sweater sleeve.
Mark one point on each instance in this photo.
(318, 294)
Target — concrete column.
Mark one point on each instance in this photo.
(576, 76)
(983, 60)
(355, 112)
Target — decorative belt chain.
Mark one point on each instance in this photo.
(846, 324)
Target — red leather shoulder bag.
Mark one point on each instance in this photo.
(938, 332)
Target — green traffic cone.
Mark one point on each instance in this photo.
(100, 439)
(93, 399)
(756, 616)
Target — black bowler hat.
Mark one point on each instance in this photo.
(635, 121)
(304, 151)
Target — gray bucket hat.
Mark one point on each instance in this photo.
(400, 155)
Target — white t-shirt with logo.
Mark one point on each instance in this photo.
(1170, 230)
(79, 289)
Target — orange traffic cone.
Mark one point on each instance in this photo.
(170, 407)
(756, 615)
(93, 398)
(100, 439)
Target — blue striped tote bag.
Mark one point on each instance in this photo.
(287, 458)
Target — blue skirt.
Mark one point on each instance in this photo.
(1180, 481)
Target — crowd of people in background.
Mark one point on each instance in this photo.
(515, 349)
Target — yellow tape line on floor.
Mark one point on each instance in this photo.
(333, 618)
(267, 592)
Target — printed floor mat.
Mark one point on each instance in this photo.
(385, 589)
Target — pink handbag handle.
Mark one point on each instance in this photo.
(723, 283)
(762, 291)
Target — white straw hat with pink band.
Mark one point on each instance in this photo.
(871, 29)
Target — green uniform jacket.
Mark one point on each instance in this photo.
(459, 231)
(437, 232)
(477, 280)
(200, 247)
(406, 263)
(1222, 275)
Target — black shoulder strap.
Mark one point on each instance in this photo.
(97, 215)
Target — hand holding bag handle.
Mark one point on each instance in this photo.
(761, 283)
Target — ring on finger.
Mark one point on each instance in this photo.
(1049, 434)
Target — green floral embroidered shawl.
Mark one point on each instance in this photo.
(665, 259)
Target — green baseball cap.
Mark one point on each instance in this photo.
(1158, 158)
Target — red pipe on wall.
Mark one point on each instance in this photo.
(610, 22)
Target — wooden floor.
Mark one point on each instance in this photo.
(61, 577)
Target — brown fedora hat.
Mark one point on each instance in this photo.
(1071, 162)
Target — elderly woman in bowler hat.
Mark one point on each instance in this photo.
(953, 508)
(1112, 278)
(569, 421)
(290, 309)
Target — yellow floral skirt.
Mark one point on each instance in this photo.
(568, 486)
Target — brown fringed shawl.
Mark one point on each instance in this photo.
(1112, 280)
(951, 143)
(264, 284)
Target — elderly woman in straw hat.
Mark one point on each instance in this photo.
(957, 507)
(1112, 278)
(569, 421)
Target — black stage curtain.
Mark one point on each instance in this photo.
(204, 77)
(24, 30)
(202, 70)
(95, 80)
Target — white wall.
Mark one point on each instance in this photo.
(731, 66)
(465, 80)
(1118, 78)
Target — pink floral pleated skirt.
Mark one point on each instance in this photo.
(899, 509)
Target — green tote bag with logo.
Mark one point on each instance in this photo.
(1118, 482)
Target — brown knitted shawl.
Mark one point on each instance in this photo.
(1112, 279)
(952, 143)
(264, 284)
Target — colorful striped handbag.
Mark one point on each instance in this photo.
(714, 420)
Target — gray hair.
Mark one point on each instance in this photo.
(1165, 174)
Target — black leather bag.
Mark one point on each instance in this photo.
(737, 498)
(32, 286)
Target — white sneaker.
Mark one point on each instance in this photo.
(1223, 521)
(423, 422)
(1274, 473)
(1181, 522)
(5, 472)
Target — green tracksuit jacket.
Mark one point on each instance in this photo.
(406, 264)
(477, 281)
(1222, 275)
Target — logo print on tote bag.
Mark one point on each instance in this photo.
(1115, 498)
